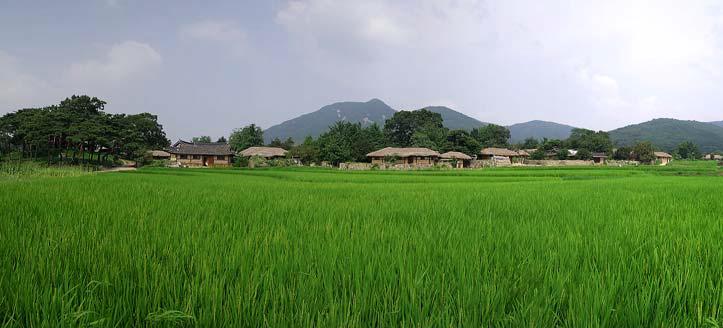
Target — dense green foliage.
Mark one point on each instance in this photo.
(688, 150)
(623, 153)
(462, 141)
(643, 152)
(248, 136)
(76, 127)
(598, 142)
(201, 139)
(349, 142)
(530, 143)
(419, 128)
(576, 247)
(667, 134)
(492, 135)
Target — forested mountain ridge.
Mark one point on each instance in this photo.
(667, 134)
(538, 130)
(317, 122)
(376, 111)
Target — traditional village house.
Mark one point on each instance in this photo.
(416, 157)
(663, 157)
(523, 153)
(265, 152)
(159, 154)
(201, 154)
(491, 153)
(713, 156)
(599, 158)
(522, 156)
(457, 159)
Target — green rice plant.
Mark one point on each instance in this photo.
(509, 247)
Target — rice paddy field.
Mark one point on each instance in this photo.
(515, 247)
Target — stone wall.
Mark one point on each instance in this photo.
(559, 162)
(494, 162)
(480, 163)
(390, 166)
(355, 166)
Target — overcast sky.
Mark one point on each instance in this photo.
(208, 68)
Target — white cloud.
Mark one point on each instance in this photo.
(225, 32)
(123, 61)
(498, 59)
(368, 28)
(611, 107)
(20, 89)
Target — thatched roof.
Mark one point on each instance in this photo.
(266, 152)
(455, 155)
(660, 154)
(404, 152)
(499, 152)
(199, 148)
(159, 153)
(523, 153)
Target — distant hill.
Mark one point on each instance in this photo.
(538, 130)
(373, 111)
(315, 123)
(455, 120)
(667, 134)
(718, 123)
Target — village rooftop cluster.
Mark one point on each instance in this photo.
(219, 154)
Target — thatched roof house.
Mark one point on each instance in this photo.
(489, 153)
(663, 157)
(462, 160)
(599, 158)
(159, 154)
(523, 153)
(407, 156)
(455, 155)
(265, 152)
(201, 153)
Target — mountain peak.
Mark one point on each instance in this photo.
(317, 122)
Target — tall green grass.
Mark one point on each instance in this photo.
(577, 247)
(29, 169)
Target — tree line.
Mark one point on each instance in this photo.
(350, 142)
(79, 131)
